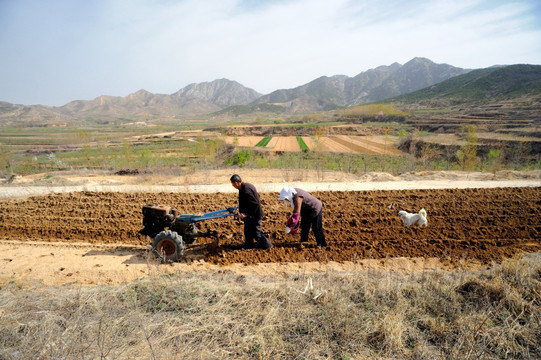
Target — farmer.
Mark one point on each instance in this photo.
(308, 208)
(251, 213)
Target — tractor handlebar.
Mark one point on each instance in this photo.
(191, 218)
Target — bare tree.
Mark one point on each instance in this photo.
(429, 152)
(519, 153)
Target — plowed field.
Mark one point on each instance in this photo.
(481, 225)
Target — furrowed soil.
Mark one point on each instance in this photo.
(466, 227)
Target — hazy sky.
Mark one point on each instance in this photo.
(56, 51)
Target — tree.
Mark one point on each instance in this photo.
(519, 153)
(429, 152)
(126, 155)
(386, 132)
(5, 161)
(467, 154)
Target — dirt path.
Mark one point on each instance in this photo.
(91, 237)
(60, 263)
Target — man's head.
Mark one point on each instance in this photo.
(236, 181)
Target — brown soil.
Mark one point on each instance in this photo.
(464, 225)
(287, 143)
(243, 140)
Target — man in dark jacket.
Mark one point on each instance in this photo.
(251, 213)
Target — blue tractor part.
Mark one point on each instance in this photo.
(192, 218)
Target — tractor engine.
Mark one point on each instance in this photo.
(156, 218)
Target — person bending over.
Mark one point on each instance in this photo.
(308, 210)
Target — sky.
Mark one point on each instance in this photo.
(56, 51)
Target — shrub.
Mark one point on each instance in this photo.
(240, 158)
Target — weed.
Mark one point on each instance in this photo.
(491, 313)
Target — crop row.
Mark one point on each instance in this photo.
(302, 144)
(264, 142)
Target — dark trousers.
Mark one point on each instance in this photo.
(252, 230)
(316, 223)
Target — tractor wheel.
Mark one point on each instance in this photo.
(168, 246)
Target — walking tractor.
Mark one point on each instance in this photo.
(172, 232)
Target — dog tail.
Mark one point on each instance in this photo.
(423, 212)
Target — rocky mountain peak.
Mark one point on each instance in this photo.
(222, 92)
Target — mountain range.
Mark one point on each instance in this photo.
(225, 96)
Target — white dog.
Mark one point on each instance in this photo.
(410, 219)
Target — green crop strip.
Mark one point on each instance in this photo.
(302, 144)
(264, 142)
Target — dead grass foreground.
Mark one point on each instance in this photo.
(489, 314)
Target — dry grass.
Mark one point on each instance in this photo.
(489, 314)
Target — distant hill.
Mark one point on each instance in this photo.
(194, 99)
(496, 83)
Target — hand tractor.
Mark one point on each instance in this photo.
(171, 231)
